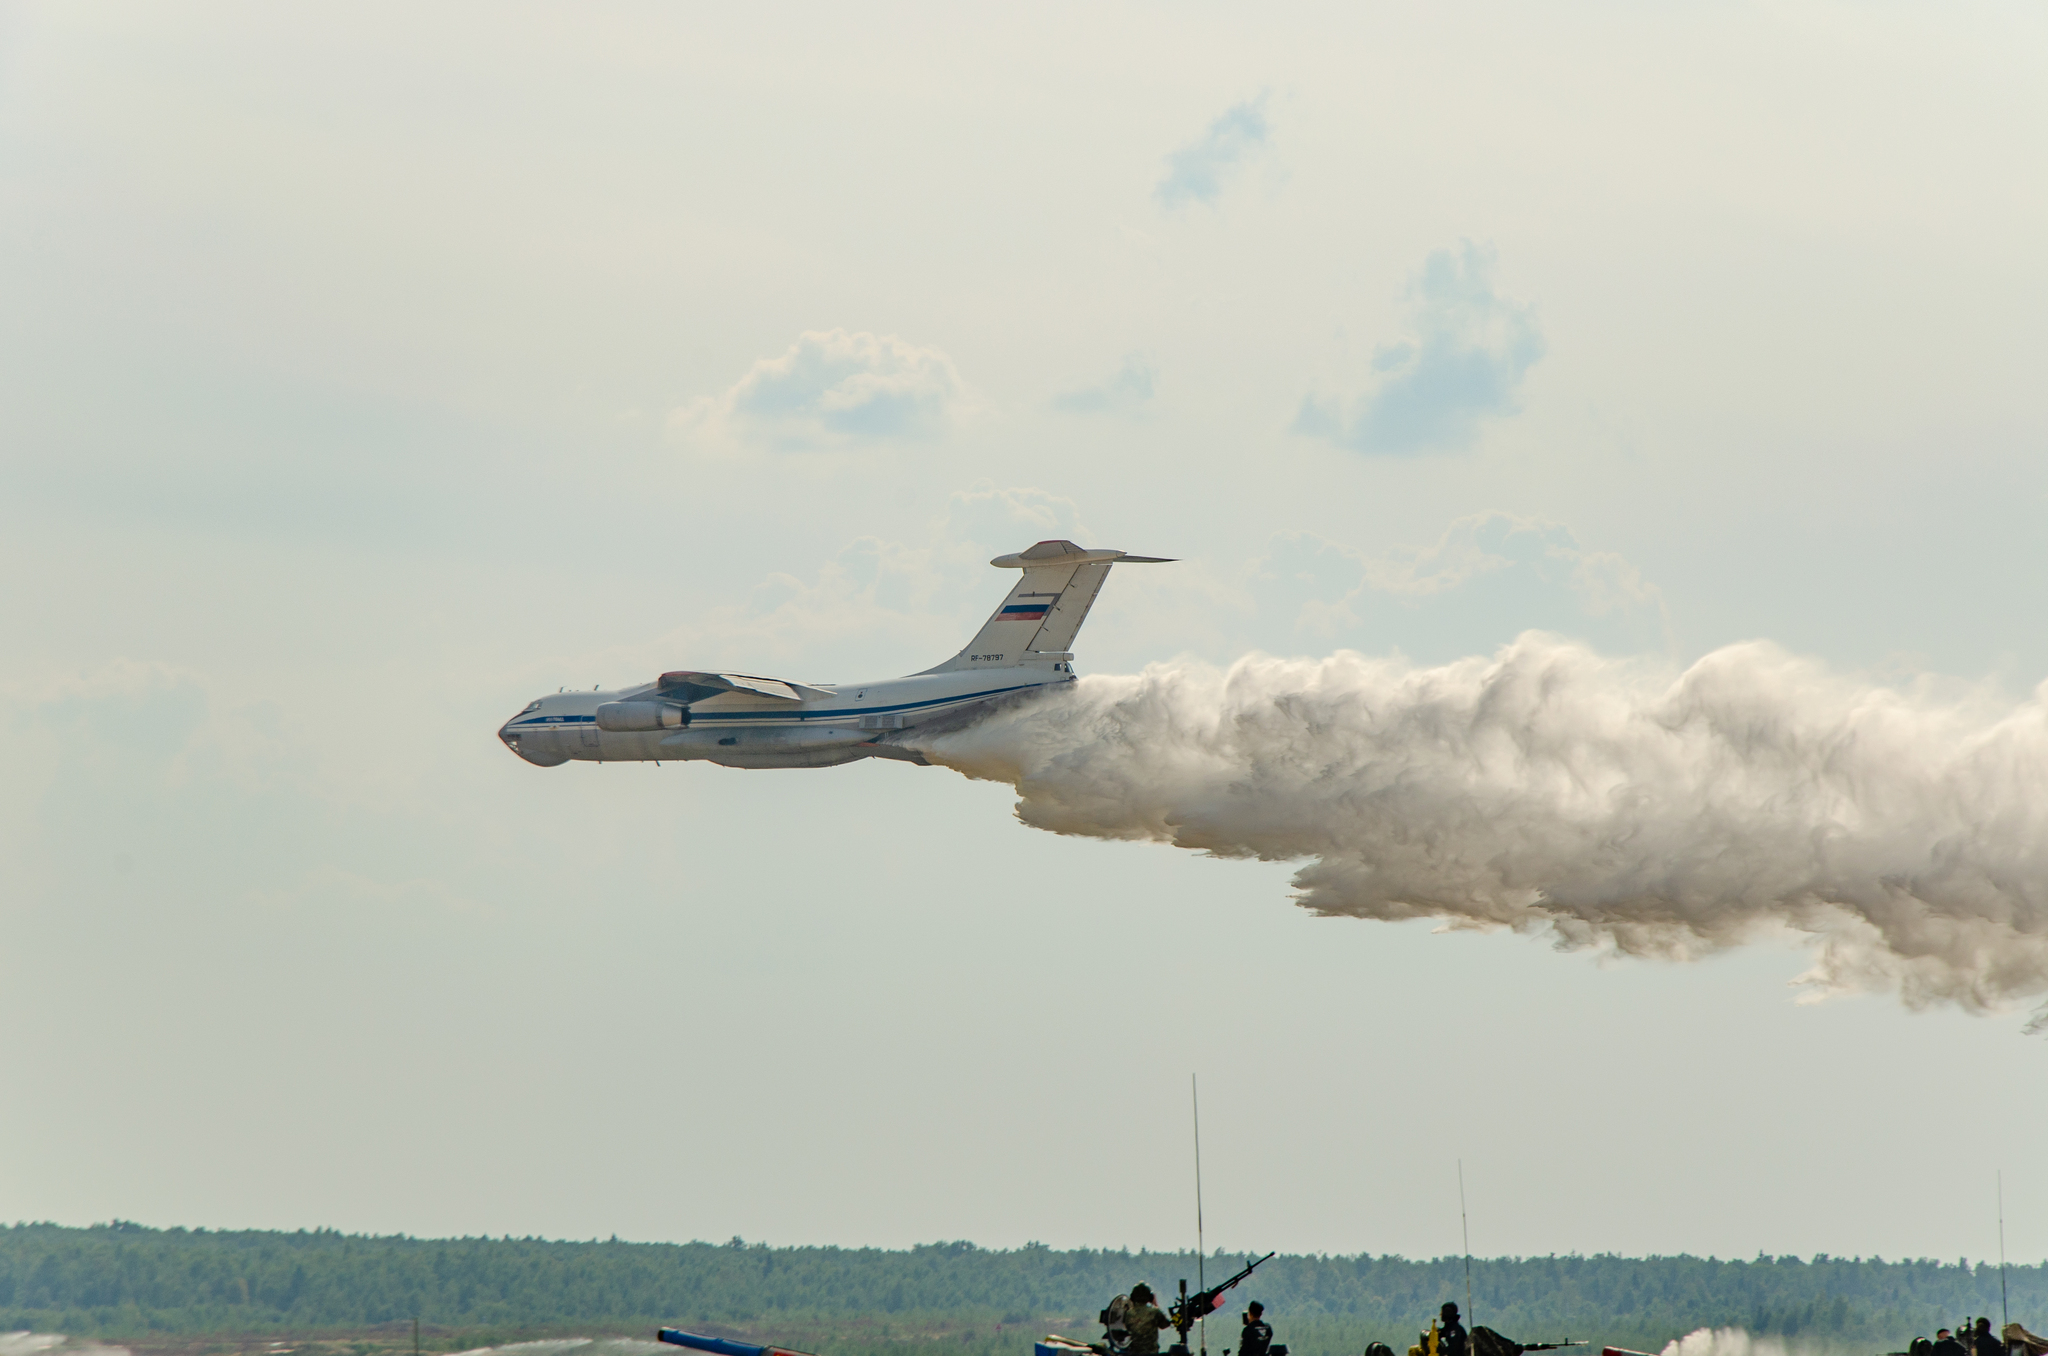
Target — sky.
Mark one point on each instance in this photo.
(367, 370)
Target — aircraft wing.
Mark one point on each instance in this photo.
(681, 683)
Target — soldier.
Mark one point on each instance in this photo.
(1945, 1344)
(1257, 1337)
(1143, 1320)
(1450, 1337)
(1985, 1342)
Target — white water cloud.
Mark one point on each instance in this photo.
(1600, 802)
(831, 388)
(1729, 1342)
(53, 1344)
(1462, 362)
(1197, 172)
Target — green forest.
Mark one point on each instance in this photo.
(123, 1280)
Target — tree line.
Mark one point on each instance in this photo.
(124, 1279)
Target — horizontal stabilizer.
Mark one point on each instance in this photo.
(683, 683)
(719, 1346)
(1037, 622)
(1063, 553)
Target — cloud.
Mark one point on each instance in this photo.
(1123, 393)
(1195, 173)
(1491, 542)
(1463, 361)
(1490, 576)
(987, 517)
(875, 606)
(831, 388)
(142, 783)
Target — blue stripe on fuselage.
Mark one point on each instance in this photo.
(847, 713)
(856, 712)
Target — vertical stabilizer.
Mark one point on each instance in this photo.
(1043, 613)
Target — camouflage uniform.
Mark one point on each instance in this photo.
(1145, 1323)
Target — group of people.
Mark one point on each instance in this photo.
(1977, 1341)
(1136, 1320)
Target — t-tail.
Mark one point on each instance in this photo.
(1043, 613)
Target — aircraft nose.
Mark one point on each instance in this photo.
(536, 746)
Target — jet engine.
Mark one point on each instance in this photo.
(626, 717)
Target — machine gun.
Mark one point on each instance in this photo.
(1487, 1342)
(1202, 1303)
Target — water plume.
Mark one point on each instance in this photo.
(1724, 1342)
(1602, 802)
(26, 1343)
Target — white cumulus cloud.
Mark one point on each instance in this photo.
(1462, 362)
(1491, 575)
(832, 388)
(1196, 172)
(878, 605)
(1125, 393)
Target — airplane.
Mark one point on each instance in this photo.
(739, 720)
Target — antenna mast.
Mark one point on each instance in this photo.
(2005, 1319)
(1465, 1223)
(1201, 1282)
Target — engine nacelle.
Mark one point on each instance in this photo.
(629, 717)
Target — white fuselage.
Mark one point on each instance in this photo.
(831, 723)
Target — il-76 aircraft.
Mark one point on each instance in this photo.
(738, 720)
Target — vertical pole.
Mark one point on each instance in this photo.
(1201, 1243)
(1465, 1223)
(2004, 1310)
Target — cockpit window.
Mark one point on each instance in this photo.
(531, 706)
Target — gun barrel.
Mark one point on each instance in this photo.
(1249, 1267)
(1203, 1302)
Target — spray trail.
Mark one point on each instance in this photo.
(1603, 802)
(1724, 1342)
